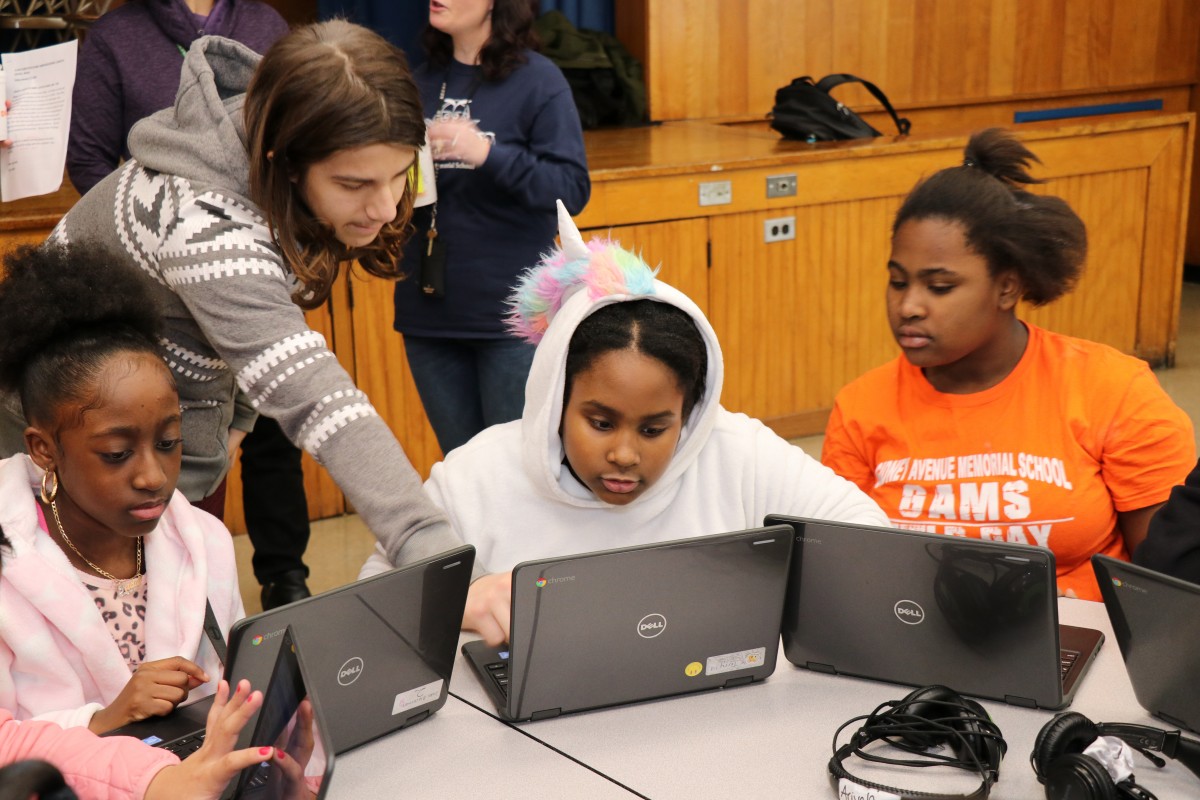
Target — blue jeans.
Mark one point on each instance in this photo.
(467, 385)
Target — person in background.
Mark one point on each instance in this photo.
(128, 69)
(129, 66)
(1172, 544)
(990, 427)
(623, 440)
(507, 142)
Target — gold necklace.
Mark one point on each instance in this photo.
(124, 586)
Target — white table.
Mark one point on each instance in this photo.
(774, 739)
(461, 752)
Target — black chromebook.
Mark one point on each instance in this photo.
(640, 623)
(1154, 617)
(920, 609)
(379, 651)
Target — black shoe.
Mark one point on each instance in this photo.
(287, 587)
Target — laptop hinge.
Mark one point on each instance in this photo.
(415, 718)
(547, 714)
(1025, 702)
(815, 667)
(738, 681)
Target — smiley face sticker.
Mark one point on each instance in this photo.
(693, 669)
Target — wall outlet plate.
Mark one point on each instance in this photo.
(716, 193)
(779, 229)
(781, 185)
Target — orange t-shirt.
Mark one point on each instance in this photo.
(1075, 433)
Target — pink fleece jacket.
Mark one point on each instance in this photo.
(58, 661)
(114, 768)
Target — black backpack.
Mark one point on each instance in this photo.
(805, 110)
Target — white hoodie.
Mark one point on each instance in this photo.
(508, 492)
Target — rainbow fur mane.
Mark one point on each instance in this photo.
(609, 269)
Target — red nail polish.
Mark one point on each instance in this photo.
(264, 751)
(282, 755)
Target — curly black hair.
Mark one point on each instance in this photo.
(1038, 237)
(655, 329)
(63, 312)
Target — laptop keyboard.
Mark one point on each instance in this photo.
(186, 746)
(498, 670)
(1067, 659)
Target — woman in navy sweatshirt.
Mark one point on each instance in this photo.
(507, 143)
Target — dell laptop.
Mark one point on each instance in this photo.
(919, 609)
(381, 660)
(1154, 617)
(280, 722)
(639, 623)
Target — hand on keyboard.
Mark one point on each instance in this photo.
(489, 607)
(153, 690)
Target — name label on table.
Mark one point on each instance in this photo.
(849, 790)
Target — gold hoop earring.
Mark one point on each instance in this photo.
(49, 494)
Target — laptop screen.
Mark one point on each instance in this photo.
(290, 721)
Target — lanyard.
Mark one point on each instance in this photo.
(432, 233)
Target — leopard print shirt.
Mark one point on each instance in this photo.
(125, 615)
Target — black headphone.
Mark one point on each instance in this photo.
(1060, 764)
(924, 719)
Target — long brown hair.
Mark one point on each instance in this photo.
(320, 89)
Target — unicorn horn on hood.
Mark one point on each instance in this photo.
(572, 242)
(601, 268)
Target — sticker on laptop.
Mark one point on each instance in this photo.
(418, 696)
(693, 669)
(732, 662)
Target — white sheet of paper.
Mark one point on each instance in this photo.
(39, 85)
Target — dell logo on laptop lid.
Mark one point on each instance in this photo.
(909, 612)
(350, 671)
(651, 625)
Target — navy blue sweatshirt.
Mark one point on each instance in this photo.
(496, 219)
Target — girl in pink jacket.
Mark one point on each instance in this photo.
(105, 584)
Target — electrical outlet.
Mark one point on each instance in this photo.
(781, 185)
(716, 193)
(779, 229)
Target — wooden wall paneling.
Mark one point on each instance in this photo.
(1163, 152)
(922, 52)
(810, 317)
(1193, 236)
(383, 371)
(677, 248)
(1104, 305)
(1162, 257)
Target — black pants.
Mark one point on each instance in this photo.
(273, 496)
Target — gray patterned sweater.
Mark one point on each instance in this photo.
(179, 210)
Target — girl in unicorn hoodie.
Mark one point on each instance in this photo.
(623, 440)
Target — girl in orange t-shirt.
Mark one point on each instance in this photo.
(990, 427)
